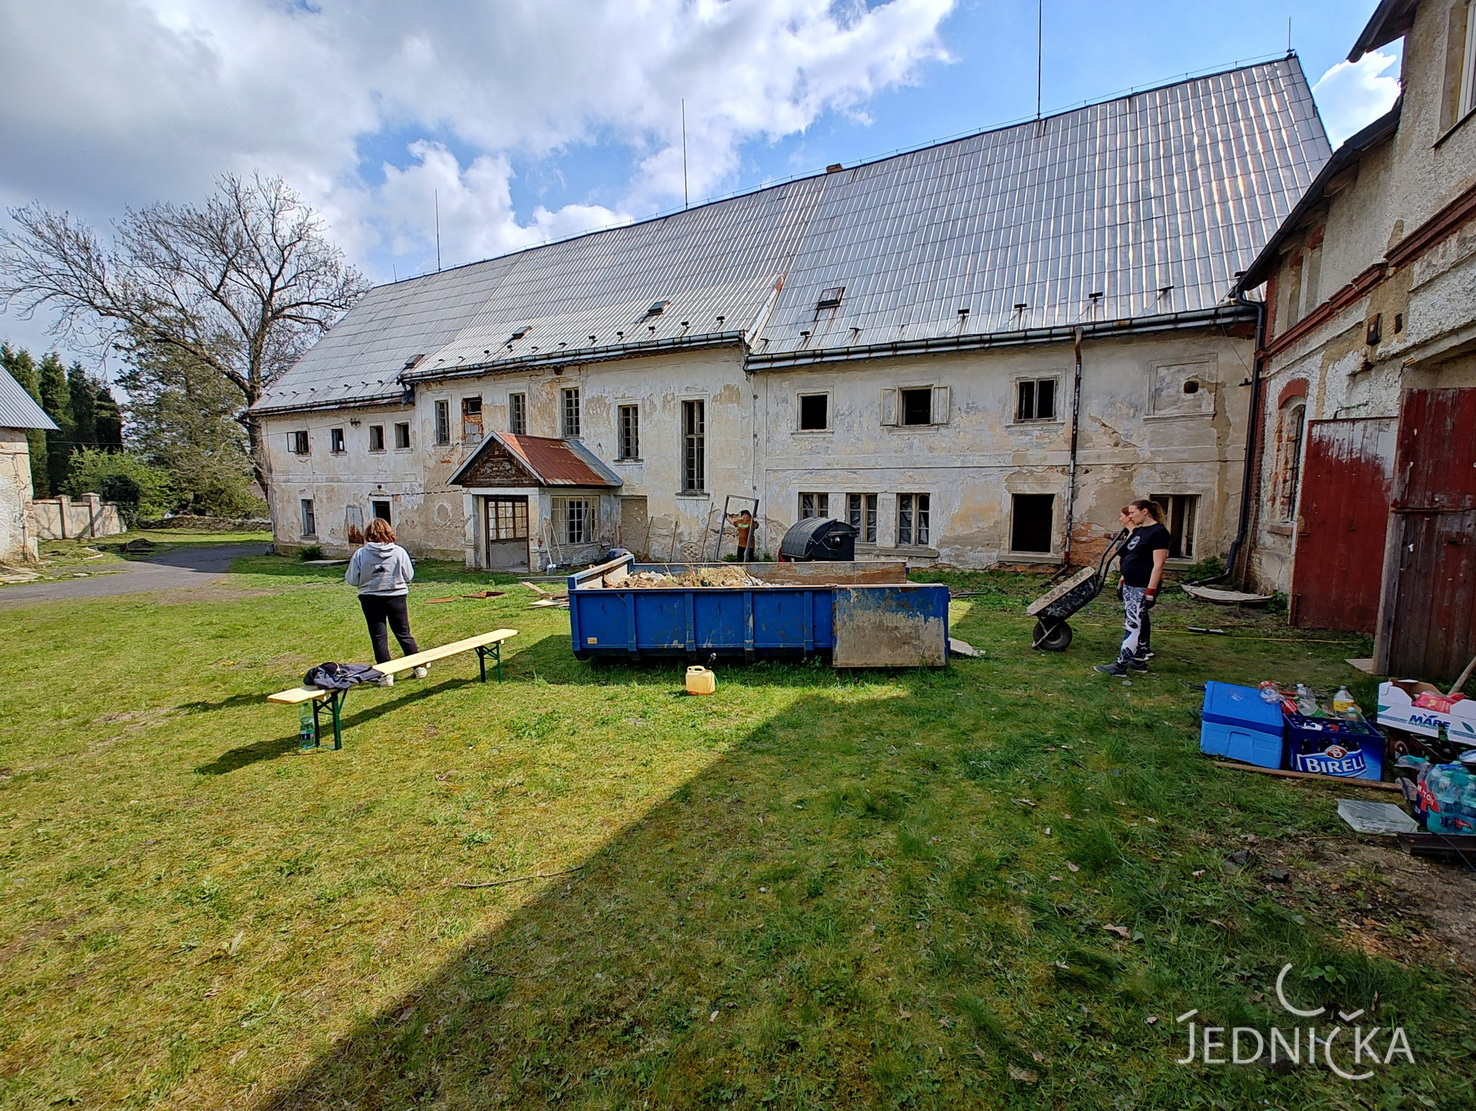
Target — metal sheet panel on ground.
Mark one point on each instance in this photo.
(1344, 511)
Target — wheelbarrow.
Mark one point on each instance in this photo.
(1051, 609)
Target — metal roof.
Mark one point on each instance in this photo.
(1153, 202)
(549, 460)
(1391, 20)
(18, 409)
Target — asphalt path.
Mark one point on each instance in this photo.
(181, 569)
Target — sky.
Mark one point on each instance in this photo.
(507, 123)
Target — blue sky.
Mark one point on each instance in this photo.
(529, 120)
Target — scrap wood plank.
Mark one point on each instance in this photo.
(1346, 781)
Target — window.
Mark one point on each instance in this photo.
(380, 509)
(297, 443)
(335, 441)
(814, 412)
(571, 520)
(376, 437)
(1179, 513)
(1459, 81)
(517, 414)
(694, 439)
(443, 422)
(1289, 434)
(861, 515)
(1468, 65)
(913, 520)
(915, 405)
(1035, 399)
(1031, 518)
(814, 505)
(629, 419)
(309, 520)
(507, 518)
(1291, 295)
(1182, 389)
(471, 419)
(402, 436)
(570, 426)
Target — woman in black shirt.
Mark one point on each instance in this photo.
(1142, 560)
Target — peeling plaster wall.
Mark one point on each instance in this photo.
(16, 541)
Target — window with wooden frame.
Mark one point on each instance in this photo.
(471, 419)
(1180, 515)
(443, 422)
(573, 520)
(628, 427)
(1458, 87)
(861, 515)
(915, 406)
(1291, 427)
(309, 519)
(1035, 399)
(297, 442)
(814, 505)
(914, 520)
(507, 518)
(694, 447)
(376, 437)
(402, 436)
(517, 414)
(335, 441)
(381, 510)
(569, 427)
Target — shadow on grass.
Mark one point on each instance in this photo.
(237, 758)
(835, 914)
(202, 707)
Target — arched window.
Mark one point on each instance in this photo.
(1289, 436)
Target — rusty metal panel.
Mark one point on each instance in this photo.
(891, 626)
(1343, 520)
(1430, 576)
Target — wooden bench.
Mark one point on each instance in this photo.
(484, 645)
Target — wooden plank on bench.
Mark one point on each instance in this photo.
(298, 695)
(430, 655)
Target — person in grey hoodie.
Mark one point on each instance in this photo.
(382, 571)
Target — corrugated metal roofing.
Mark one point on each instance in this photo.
(550, 460)
(1152, 201)
(18, 409)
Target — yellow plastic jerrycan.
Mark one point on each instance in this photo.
(700, 680)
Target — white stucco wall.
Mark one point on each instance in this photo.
(17, 543)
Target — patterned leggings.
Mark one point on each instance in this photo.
(1134, 624)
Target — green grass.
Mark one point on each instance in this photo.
(811, 889)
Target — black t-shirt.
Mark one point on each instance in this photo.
(1137, 553)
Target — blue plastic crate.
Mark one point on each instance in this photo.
(1332, 746)
(1241, 725)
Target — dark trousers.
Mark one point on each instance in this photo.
(745, 554)
(382, 608)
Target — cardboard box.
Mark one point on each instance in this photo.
(1397, 710)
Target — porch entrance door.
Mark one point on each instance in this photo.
(507, 533)
(1342, 519)
(635, 526)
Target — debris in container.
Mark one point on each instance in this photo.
(1381, 818)
(697, 576)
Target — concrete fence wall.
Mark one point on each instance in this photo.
(65, 518)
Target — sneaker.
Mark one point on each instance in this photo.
(1114, 668)
(1146, 654)
(1138, 663)
(421, 672)
(387, 681)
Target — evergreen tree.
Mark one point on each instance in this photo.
(56, 399)
(23, 369)
(109, 421)
(84, 390)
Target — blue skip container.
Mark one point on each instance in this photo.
(1241, 725)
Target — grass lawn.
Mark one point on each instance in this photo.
(992, 885)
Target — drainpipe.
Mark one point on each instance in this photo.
(1247, 478)
(1071, 466)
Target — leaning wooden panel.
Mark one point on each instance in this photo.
(891, 626)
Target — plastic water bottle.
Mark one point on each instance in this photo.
(1344, 706)
(1306, 704)
(307, 732)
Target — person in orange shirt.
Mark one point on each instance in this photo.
(743, 523)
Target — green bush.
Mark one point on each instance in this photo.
(139, 489)
(311, 551)
(1210, 567)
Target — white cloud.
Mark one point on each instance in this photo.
(1352, 95)
(112, 103)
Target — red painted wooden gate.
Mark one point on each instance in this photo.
(1342, 520)
(1430, 574)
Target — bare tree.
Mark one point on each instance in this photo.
(242, 285)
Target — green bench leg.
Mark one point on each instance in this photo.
(334, 704)
(495, 651)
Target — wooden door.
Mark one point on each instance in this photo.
(1342, 520)
(1425, 625)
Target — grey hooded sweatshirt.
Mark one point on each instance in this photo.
(380, 569)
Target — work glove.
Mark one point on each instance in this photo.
(1150, 597)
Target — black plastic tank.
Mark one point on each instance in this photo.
(818, 538)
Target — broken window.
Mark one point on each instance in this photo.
(517, 414)
(1031, 521)
(376, 437)
(309, 520)
(914, 525)
(381, 510)
(570, 426)
(861, 515)
(471, 419)
(1035, 399)
(571, 520)
(443, 422)
(335, 441)
(402, 436)
(814, 412)
(694, 447)
(915, 405)
(814, 505)
(507, 518)
(1289, 432)
(1179, 514)
(629, 419)
(297, 442)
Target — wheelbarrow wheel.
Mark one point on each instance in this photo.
(1052, 637)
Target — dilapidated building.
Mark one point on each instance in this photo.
(975, 352)
(18, 413)
(1365, 457)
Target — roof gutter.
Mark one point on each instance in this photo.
(580, 355)
(1220, 314)
(399, 397)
